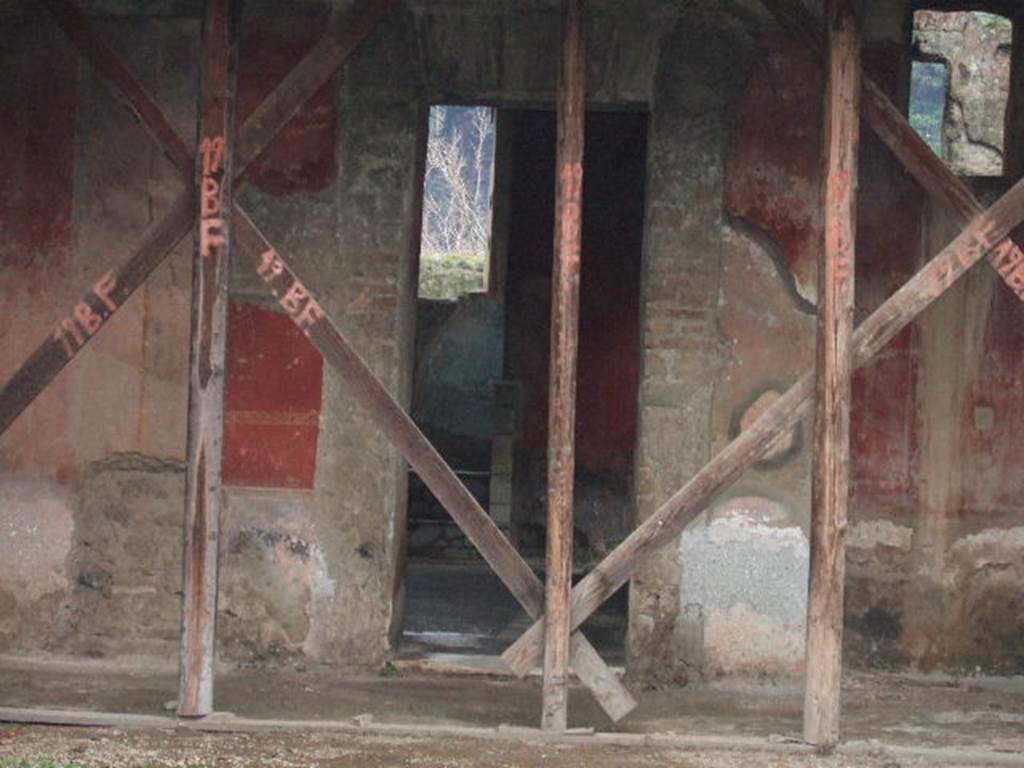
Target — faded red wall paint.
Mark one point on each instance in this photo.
(774, 168)
(272, 401)
(272, 41)
(885, 468)
(773, 181)
(39, 94)
(609, 354)
(38, 116)
(993, 480)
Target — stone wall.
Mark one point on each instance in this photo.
(975, 47)
(91, 496)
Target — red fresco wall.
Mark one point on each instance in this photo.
(272, 401)
(773, 181)
(38, 104)
(993, 482)
(271, 42)
(273, 394)
(609, 355)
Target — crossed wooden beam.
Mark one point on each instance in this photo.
(112, 291)
(986, 234)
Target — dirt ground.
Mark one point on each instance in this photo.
(887, 720)
(160, 749)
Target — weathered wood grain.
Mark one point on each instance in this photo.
(210, 269)
(986, 232)
(68, 339)
(830, 473)
(890, 125)
(346, 30)
(312, 72)
(565, 315)
(366, 389)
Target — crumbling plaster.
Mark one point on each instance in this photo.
(726, 320)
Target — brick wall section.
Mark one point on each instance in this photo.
(682, 349)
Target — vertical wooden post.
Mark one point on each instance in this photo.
(206, 373)
(565, 310)
(834, 365)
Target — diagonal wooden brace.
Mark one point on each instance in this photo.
(403, 433)
(988, 231)
(345, 32)
(913, 152)
(253, 137)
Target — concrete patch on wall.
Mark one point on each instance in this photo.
(985, 575)
(878, 567)
(276, 582)
(746, 565)
(126, 559)
(879, 533)
(36, 521)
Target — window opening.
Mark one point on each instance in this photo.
(457, 202)
(960, 81)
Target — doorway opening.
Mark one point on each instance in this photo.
(481, 383)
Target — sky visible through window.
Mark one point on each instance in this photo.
(929, 86)
(457, 191)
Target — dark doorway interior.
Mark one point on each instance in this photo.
(453, 602)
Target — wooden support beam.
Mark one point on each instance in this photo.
(255, 135)
(565, 316)
(346, 30)
(831, 463)
(75, 24)
(896, 133)
(366, 389)
(206, 370)
(108, 293)
(988, 231)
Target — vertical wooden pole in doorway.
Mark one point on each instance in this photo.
(206, 373)
(565, 311)
(834, 364)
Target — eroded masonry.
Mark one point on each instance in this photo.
(450, 338)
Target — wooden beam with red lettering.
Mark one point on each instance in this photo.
(108, 293)
(75, 24)
(72, 332)
(565, 317)
(309, 76)
(830, 473)
(366, 389)
(987, 232)
(913, 152)
(210, 269)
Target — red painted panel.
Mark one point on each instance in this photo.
(609, 353)
(773, 179)
(272, 401)
(39, 94)
(272, 41)
(38, 120)
(883, 422)
(774, 169)
(994, 462)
